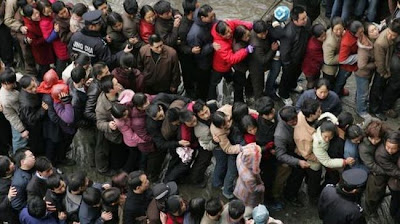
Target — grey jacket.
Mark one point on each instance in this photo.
(284, 143)
(10, 102)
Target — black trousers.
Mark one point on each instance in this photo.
(200, 166)
(376, 93)
(133, 161)
(202, 81)
(188, 75)
(176, 169)
(5, 135)
(291, 73)
(6, 46)
(216, 77)
(391, 92)
(154, 162)
(239, 82)
(313, 180)
(395, 206)
(268, 173)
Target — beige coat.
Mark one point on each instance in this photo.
(10, 104)
(222, 134)
(103, 117)
(383, 50)
(331, 53)
(9, 16)
(304, 141)
(366, 63)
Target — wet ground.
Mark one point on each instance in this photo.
(251, 10)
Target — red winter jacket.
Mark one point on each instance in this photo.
(187, 133)
(225, 58)
(313, 59)
(60, 48)
(146, 30)
(41, 50)
(348, 46)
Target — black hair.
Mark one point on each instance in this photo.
(355, 26)
(154, 38)
(42, 164)
(354, 131)
(36, 207)
(134, 179)
(76, 180)
(91, 196)
(118, 110)
(162, 7)
(288, 113)
(198, 106)
(139, 99)
(82, 59)
(22, 3)
(98, 3)
(20, 155)
(25, 81)
(310, 107)
(336, 21)
(110, 196)
(145, 9)
(79, 9)
(239, 109)
(317, 30)
(221, 27)
(247, 122)
(296, 11)
(240, 31)
(77, 74)
(57, 6)
(173, 114)
(41, 5)
(98, 69)
(8, 76)
(345, 119)
(328, 126)
(236, 209)
(127, 60)
(213, 206)
(395, 26)
(204, 10)
(393, 137)
(260, 26)
(185, 115)
(322, 82)
(218, 119)
(4, 166)
(53, 181)
(28, 10)
(264, 105)
(106, 83)
(189, 6)
(152, 110)
(113, 18)
(131, 7)
(197, 208)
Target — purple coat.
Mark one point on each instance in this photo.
(66, 113)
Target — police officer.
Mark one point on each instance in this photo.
(339, 205)
(90, 41)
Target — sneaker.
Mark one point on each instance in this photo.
(298, 89)
(365, 116)
(287, 102)
(391, 113)
(228, 196)
(59, 171)
(381, 116)
(276, 206)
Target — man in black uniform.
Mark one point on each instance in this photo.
(90, 41)
(339, 205)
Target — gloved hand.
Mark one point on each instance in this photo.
(66, 99)
(249, 49)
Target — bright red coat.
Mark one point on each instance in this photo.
(225, 58)
(146, 30)
(348, 46)
(60, 48)
(313, 59)
(41, 50)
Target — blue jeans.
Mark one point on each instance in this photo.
(17, 141)
(225, 171)
(371, 10)
(362, 94)
(272, 75)
(341, 79)
(344, 8)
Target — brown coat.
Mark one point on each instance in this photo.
(103, 117)
(394, 183)
(331, 53)
(222, 134)
(389, 164)
(383, 50)
(162, 74)
(365, 63)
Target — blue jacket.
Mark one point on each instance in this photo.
(25, 218)
(20, 181)
(89, 215)
(331, 104)
(200, 35)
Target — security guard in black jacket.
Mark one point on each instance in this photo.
(339, 205)
(90, 41)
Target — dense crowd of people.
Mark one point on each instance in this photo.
(140, 88)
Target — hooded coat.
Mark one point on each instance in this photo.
(249, 186)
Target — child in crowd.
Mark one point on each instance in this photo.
(76, 22)
(314, 58)
(249, 125)
(146, 24)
